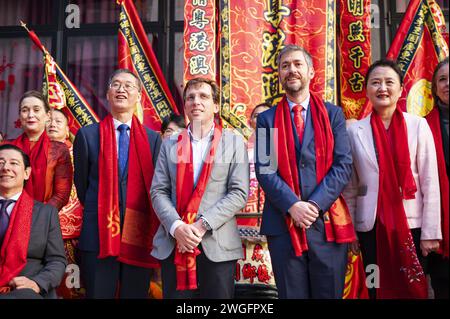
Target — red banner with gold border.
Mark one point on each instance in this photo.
(253, 33)
(418, 46)
(61, 93)
(355, 49)
(136, 55)
(199, 39)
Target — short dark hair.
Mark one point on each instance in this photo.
(385, 63)
(173, 118)
(25, 157)
(434, 80)
(196, 81)
(38, 95)
(120, 71)
(293, 47)
(263, 104)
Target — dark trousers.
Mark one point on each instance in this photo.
(319, 273)
(21, 294)
(215, 280)
(439, 268)
(105, 277)
(368, 243)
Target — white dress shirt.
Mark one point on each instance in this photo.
(200, 148)
(10, 208)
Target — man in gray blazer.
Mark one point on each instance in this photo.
(33, 268)
(213, 231)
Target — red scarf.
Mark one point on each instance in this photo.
(14, 250)
(134, 245)
(38, 156)
(338, 223)
(189, 199)
(401, 275)
(435, 125)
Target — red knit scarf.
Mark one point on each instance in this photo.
(134, 244)
(435, 125)
(338, 223)
(38, 156)
(189, 199)
(401, 275)
(14, 250)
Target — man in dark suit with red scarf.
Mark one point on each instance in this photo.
(32, 259)
(114, 162)
(308, 164)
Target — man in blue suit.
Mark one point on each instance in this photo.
(113, 172)
(308, 261)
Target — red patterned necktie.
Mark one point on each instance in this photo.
(298, 121)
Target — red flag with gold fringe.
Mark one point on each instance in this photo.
(61, 93)
(136, 55)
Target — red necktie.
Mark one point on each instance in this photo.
(298, 121)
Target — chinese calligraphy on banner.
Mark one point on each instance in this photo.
(354, 44)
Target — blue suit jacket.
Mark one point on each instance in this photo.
(279, 197)
(85, 152)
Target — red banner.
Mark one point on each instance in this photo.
(418, 47)
(253, 33)
(136, 55)
(199, 39)
(354, 44)
(61, 93)
(355, 278)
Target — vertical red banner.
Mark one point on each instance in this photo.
(199, 39)
(355, 49)
(252, 35)
(136, 55)
(417, 47)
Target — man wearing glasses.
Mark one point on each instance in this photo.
(114, 162)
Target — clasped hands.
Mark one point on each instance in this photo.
(303, 214)
(189, 236)
(24, 283)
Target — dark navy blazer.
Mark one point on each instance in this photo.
(279, 197)
(86, 148)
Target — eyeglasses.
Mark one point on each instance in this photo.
(126, 86)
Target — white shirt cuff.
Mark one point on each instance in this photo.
(174, 226)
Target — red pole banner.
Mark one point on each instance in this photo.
(199, 39)
(418, 47)
(136, 55)
(354, 45)
(61, 93)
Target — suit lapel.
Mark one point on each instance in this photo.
(366, 140)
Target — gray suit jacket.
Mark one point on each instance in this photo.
(225, 195)
(46, 259)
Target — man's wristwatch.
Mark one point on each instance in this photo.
(205, 224)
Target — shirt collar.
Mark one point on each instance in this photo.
(209, 136)
(15, 197)
(305, 103)
(117, 123)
